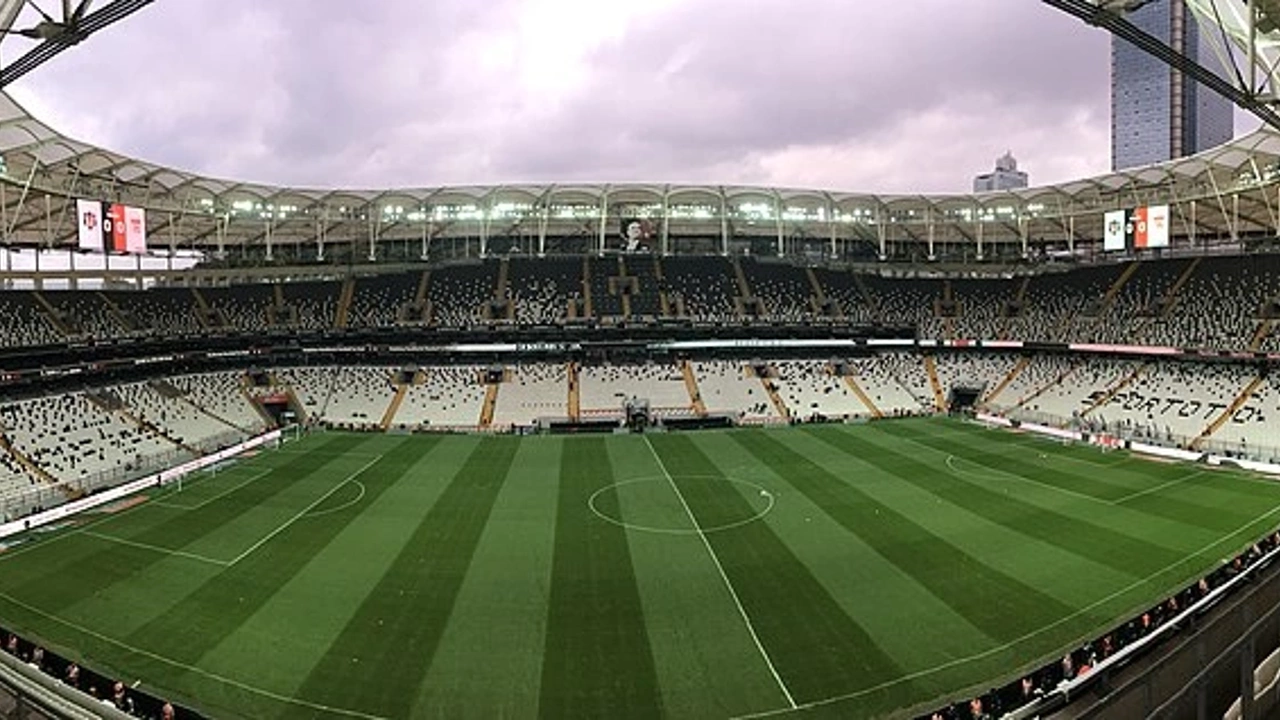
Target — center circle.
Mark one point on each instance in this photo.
(653, 505)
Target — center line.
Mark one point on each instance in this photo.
(732, 593)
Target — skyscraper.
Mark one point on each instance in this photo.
(1157, 114)
(1006, 176)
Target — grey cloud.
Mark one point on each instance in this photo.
(325, 92)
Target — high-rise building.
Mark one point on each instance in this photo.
(1006, 176)
(1157, 113)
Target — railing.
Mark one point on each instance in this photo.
(1259, 452)
(20, 503)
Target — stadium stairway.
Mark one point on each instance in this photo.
(818, 300)
(56, 318)
(1261, 333)
(34, 469)
(151, 428)
(1231, 410)
(245, 387)
(393, 407)
(663, 298)
(575, 392)
(772, 391)
(931, 368)
(1071, 370)
(862, 396)
(490, 404)
(117, 313)
(1112, 391)
(1019, 300)
(587, 309)
(877, 313)
(348, 293)
(1013, 374)
(691, 384)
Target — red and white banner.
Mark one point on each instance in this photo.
(89, 222)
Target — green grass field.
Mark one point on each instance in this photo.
(841, 571)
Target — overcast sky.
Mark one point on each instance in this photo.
(913, 96)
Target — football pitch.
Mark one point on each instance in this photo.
(840, 570)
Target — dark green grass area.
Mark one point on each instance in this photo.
(842, 571)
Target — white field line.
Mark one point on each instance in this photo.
(1161, 486)
(359, 496)
(786, 693)
(304, 511)
(219, 496)
(1014, 477)
(155, 548)
(188, 668)
(1012, 643)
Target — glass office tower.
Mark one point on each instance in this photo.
(1157, 114)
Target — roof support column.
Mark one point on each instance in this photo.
(485, 213)
(978, 235)
(1071, 234)
(220, 232)
(882, 235)
(1192, 231)
(831, 227)
(267, 236)
(604, 221)
(724, 224)
(425, 248)
(665, 240)
(375, 219)
(48, 220)
(320, 223)
(777, 221)
(1235, 216)
(931, 231)
(1024, 229)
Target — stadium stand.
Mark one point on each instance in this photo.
(443, 398)
(532, 391)
(379, 300)
(702, 286)
(727, 387)
(542, 289)
(221, 395)
(608, 387)
(459, 294)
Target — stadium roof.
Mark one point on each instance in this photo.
(1234, 186)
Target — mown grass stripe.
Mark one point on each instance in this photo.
(1151, 503)
(597, 661)
(883, 447)
(378, 661)
(229, 599)
(1000, 605)
(90, 565)
(771, 581)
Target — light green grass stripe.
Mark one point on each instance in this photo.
(707, 665)
(1031, 561)
(998, 604)
(1087, 481)
(294, 628)
(1092, 534)
(192, 627)
(67, 569)
(377, 662)
(880, 596)
(489, 661)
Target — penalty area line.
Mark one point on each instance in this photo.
(304, 511)
(746, 619)
(186, 667)
(926, 672)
